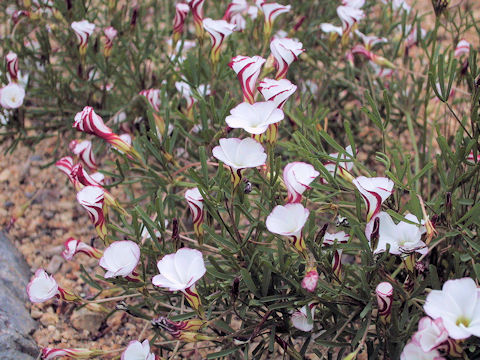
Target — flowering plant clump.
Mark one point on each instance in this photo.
(264, 180)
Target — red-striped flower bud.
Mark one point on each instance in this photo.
(234, 8)
(92, 199)
(377, 59)
(339, 238)
(12, 66)
(374, 191)
(297, 177)
(74, 246)
(83, 29)
(51, 353)
(83, 149)
(65, 165)
(181, 12)
(277, 91)
(195, 202)
(247, 70)
(197, 10)
(153, 97)
(384, 292)
(218, 30)
(177, 329)
(285, 51)
(271, 11)
(110, 35)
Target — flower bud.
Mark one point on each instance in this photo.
(83, 149)
(110, 35)
(83, 29)
(195, 202)
(197, 10)
(181, 12)
(51, 353)
(384, 292)
(247, 70)
(92, 199)
(12, 66)
(218, 30)
(74, 246)
(285, 51)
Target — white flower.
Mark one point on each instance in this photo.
(354, 3)
(252, 12)
(370, 40)
(83, 29)
(42, 287)
(349, 17)
(240, 154)
(413, 351)
(138, 351)
(431, 333)
(120, 258)
(403, 238)
(285, 51)
(218, 30)
(186, 91)
(236, 7)
(340, 237)
(458, 305)
(271, 11)
(287, 220)
(374, 191)
(343, 168)
(181, 270)
(239, 21)
(277, 91)
(329, 28)
(297, 177)
(300, 319)
(11, 96)
(254, 118)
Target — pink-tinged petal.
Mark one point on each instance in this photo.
(138, 351)
(300, 319)
(413, 351)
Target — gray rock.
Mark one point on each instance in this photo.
(16, 325)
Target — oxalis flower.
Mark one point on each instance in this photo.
(195, 203)
(197, 10)
(413, 351)
(138, 351)
(239, 154)
(83, 149)
(218, 30)
(153, 98)
(285, 51)
(300, 318)
(236, 7)
(297, 177)
(43, 287)
(247, 70)
(12, 66)
(74, 246)
(310, 280)
(110, 35)
(254, 118)
(404, 238)
(341, 168)
(65, 165)
(431, 334)
(462, 48)
(330, 239)
(179, 272)
(181, 12)
(182, 330)
(271, 11)
(11, 96)
(458, 305)
(186, 91)
(277, 91)
(92, 198)
(376, 59)
(91, 123)
(374, 191)
(51, 353)
(384, 292)
(288, 221)
(120, 259)
(349, 16)
(83, 29)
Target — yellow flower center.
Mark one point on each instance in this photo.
(463, 321)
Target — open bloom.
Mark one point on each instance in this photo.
(247, 69)
(431, 334)
(181, 12)
(384, 292)
(83, 149)
(138, 351)
(74, 246)
(297, 177)
(271, 11)
(153, 98)
(218, 30)
(42, 287)
(52, 353)
(288, 221)
(254, 118)
(403, 238)
(342, 168)
(374, 191)
(413, 351)
(12, 66)
(195, 202)
(285, 51)
(462, 48)
(83, 29)
(11, 96)
(91, 123)
(300, 319)
(277, 91)
(239, 154)
(236, 7)
(197, 10)
(458, 305)
(92, 198)
(180, 271)
(110, 35)
(120, 258)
